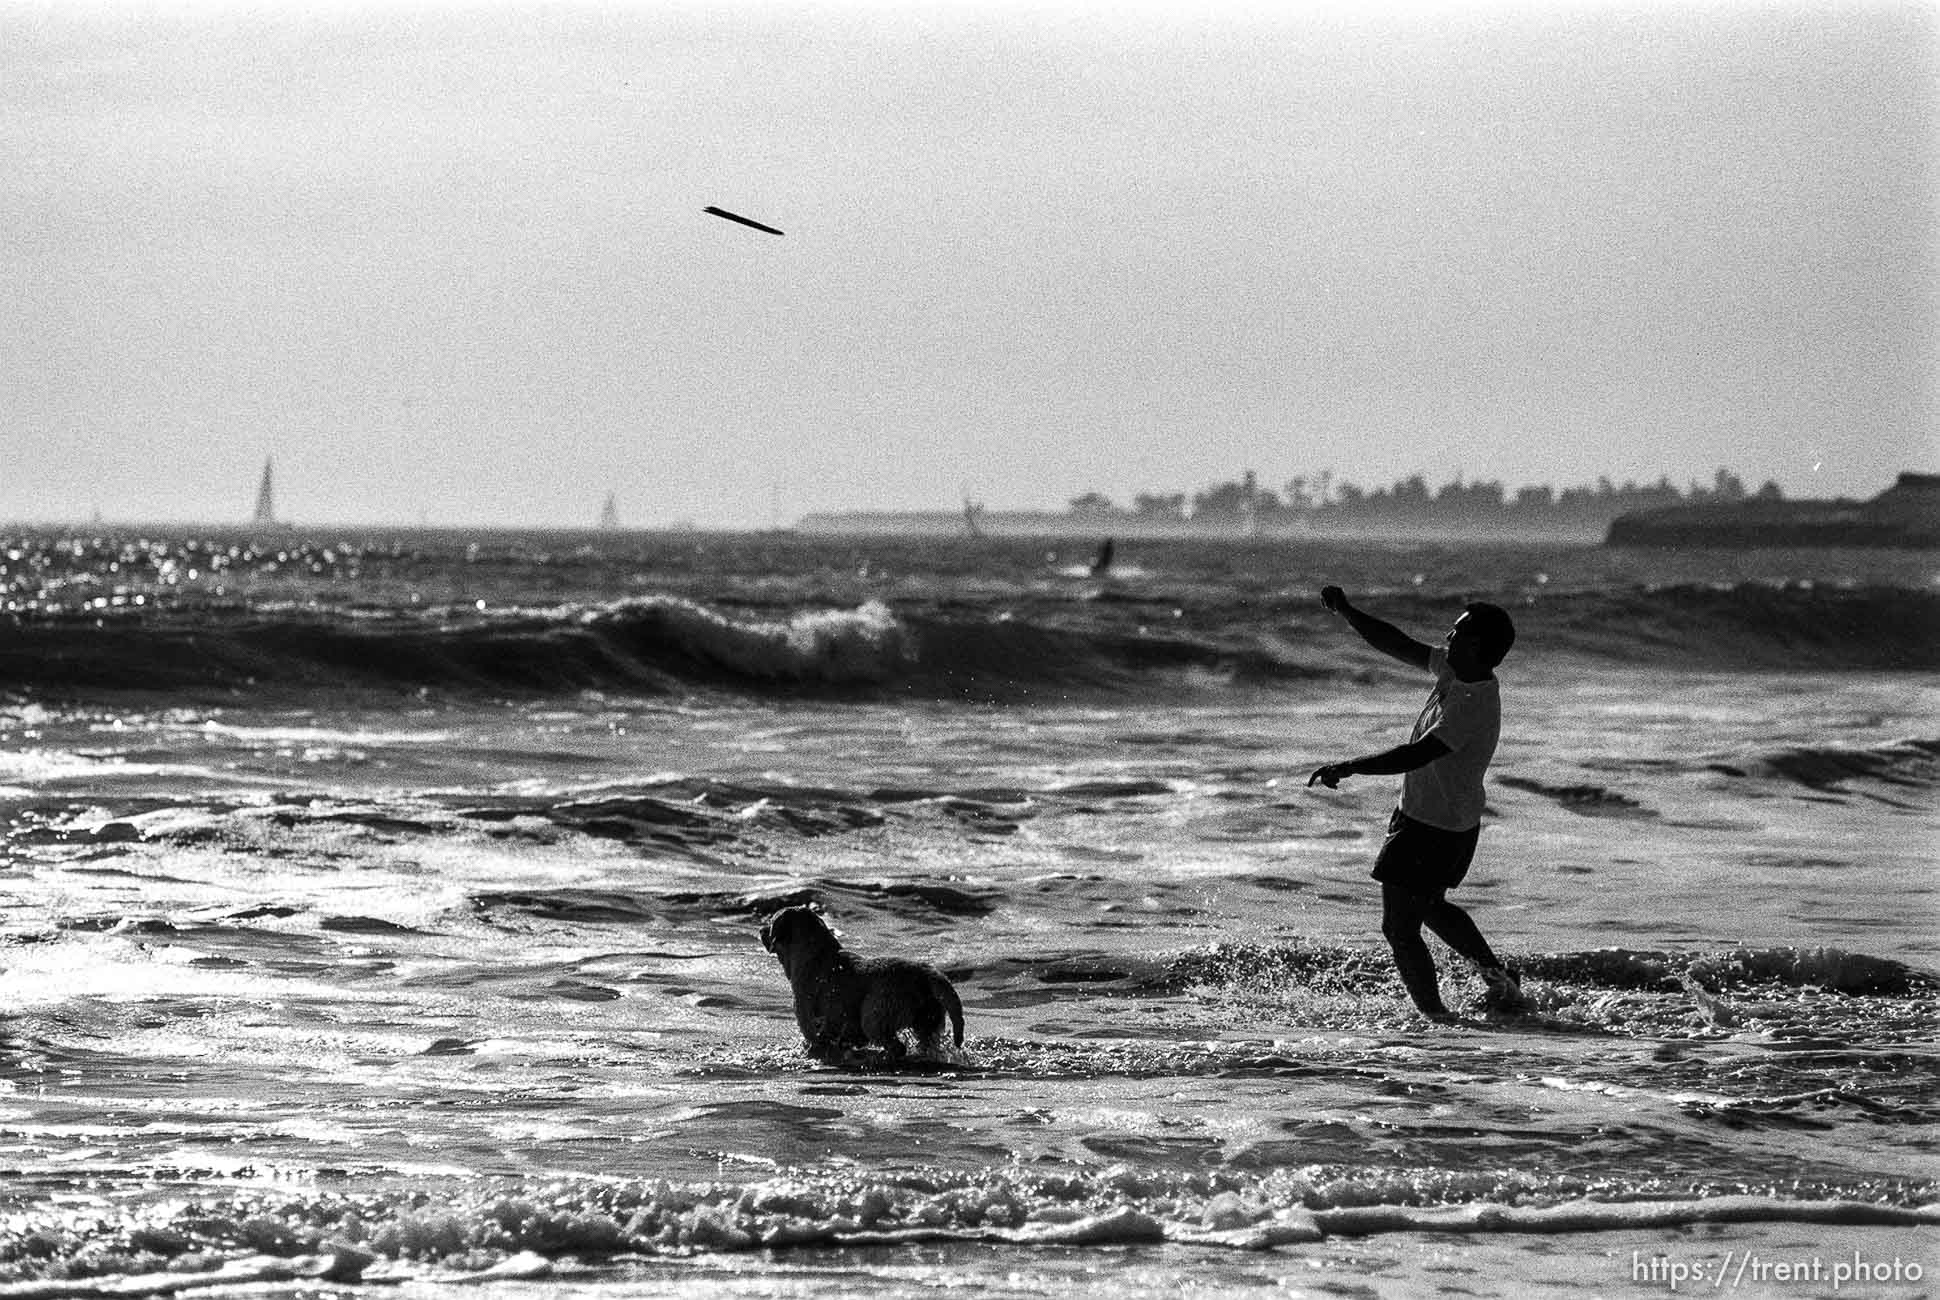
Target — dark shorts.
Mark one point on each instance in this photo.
(1424, 859)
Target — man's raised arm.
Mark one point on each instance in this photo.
(1379, 633)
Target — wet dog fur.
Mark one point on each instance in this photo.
(844, 1002)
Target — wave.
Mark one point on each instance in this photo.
(512, 1232)
(1909, 762)
(671, 814)
(974, 650)
(653, 646)
(1747, 625)
(1780, 992)
(1583, 800)
(1830, 969)
(648, 646)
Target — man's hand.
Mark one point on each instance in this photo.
(1330, 775)
(1334, 599)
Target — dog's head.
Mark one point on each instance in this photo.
(797, 929)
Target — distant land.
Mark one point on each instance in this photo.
(1904, 515)
(1723, 513)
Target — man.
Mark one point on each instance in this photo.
(1432, 833)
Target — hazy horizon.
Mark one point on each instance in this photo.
(591, 522)
(448, 265)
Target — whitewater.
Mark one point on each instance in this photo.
(382, 911)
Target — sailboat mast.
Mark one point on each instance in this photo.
(265, 500)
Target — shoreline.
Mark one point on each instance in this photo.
(1748, 1259)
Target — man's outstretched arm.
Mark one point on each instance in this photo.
(1379, 633)
(1389, 762)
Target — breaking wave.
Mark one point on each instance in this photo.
(1778, 992)
(986, 650)
(1829, 969)
(652, 646)
(509, 1232)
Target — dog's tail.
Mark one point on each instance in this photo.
(951, 1003)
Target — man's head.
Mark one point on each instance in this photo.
(1481, 636)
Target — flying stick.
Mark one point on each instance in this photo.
(729, 216)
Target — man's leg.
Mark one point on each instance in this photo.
(1455, 929)
(1402, 914)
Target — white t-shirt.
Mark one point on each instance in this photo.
(1467, 717)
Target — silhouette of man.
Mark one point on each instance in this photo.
(1433, 830)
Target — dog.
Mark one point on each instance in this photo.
(844, 1002)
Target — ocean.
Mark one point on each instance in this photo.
(381, 910)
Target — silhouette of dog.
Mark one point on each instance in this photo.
(844, 1002)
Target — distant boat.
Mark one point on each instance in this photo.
(609, 515)
(265, 516)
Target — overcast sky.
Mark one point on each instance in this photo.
(449, 263)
